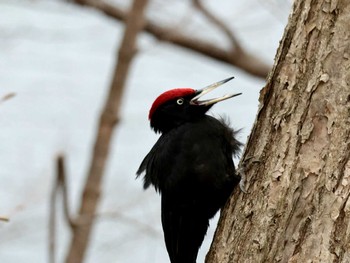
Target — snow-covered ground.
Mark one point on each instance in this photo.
(58, 59)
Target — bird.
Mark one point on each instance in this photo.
(190, 165)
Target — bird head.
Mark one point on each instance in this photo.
(177, 106)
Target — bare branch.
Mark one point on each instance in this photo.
(4, 219)
(7, 97)
(236, 57)
(52, 220)
(60, 184)
(108, 120)
(61, 177)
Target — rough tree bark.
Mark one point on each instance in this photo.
(81, 230)
(298, 207)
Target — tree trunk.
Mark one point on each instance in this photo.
(298, 208)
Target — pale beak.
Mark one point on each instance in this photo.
(202, 92)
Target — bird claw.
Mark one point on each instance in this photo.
(241, 171)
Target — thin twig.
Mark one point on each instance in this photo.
(61, 176)
(52, 219)
(4, 219)
(239, 58)
(59, 184)
(7, 97)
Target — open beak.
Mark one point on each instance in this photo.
(202, 92)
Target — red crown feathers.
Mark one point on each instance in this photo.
(169, 95)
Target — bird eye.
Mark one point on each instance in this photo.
(180, 101)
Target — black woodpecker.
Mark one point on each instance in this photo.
(190, 165)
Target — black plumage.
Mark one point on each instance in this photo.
(191, 166)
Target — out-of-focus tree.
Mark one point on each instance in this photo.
(82, 224)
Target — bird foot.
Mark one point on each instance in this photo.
(242, 171)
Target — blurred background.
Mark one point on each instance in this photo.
(57, 61)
